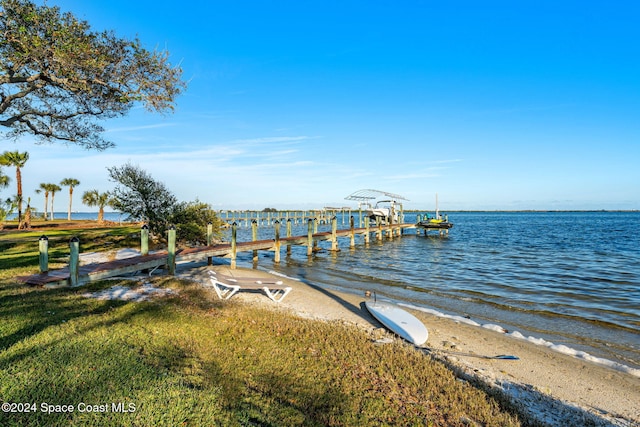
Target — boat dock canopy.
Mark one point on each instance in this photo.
(368, 194)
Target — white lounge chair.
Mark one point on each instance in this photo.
(227, 286)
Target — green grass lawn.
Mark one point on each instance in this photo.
(192, 360)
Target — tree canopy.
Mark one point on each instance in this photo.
(141, 197)
(58, 78)
(93, 198)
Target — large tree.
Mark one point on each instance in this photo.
(70, 182)
(18, 160)
(141, 197)
(58, 78)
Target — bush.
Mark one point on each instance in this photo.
(191, 220)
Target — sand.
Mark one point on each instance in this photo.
(556, 388)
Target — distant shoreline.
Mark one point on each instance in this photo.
(63, 215)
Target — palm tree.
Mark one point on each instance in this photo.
(95, 198)
(44, 188)
(70, 182)
(17, 159)
(53, 188)
(4, 180)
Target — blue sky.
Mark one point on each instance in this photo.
(297, 104)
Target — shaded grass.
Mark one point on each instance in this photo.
(20, 248)
(192, 360)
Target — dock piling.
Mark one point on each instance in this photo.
(276, 247)
(367, 230)
(43, 249)
(74, 260)
(254, 237)
(144, 240)
(234, 241)
(171, 250)
(309, 237)
(352, 242)
(209, 241)
(334, 237)
(289, 235)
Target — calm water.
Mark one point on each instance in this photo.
(571, 278)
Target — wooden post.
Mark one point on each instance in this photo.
(43, 246)
(254, 237)
(334, 237)
(209, 241)
(366, 230)
(234, 236)
(289, 235)
(276, 257)
(309, 237)
(352, 244)
(315, 230)
(74, 260)
(144, 240)
(379, 232)
(171, 250)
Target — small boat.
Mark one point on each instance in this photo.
(437, 222)
(384, 212)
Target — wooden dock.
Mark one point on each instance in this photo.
(166, 259)
(245, 218)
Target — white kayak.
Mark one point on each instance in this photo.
(399, 321)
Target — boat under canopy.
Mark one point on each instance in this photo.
(386, 211)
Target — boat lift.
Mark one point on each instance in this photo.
(379, 214)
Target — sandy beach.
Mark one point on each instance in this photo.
(555, 388)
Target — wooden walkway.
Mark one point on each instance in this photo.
(98, 271)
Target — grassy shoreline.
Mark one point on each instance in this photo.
(190, 359)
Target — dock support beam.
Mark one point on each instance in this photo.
(144, 240)
(74, 260)
(352, 243)
(254, 237)
(234, 240)
(209, 241)
(171, 250)
(309, 237)
(315, 230)
(276, 246)
(43, 247)
(334, 237)
(288, 234)
(367, 231)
